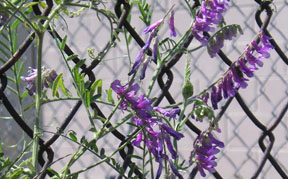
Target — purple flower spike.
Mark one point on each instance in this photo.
(171, 25)
(205, 148)
(140, 57)
(153, 26)
(210, 14)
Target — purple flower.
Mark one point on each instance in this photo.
(263, 50)
(159, 170)
(155, 50)
(138, 140)
(173, 133)
(228, 86)
(154, 139)
(265, 40)
(205, 148)
(210, 14)
(168, 113)
(248, 71)
(153, 26)
(175, 171)
(129, 97)
(140, 57)
(171, 25)
(214, 98)
(239, 80)
(144, 68)
(48, 76)
(31, 81)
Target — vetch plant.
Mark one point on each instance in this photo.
(156, 130)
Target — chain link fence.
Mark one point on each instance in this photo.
(266, 94)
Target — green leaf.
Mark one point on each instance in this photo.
(4, 53)
(4, 45)
(42, 4)
(14, 174)
(80, 63)
(12, 90)
(95, 97)
(109, 95)
(87, 98)
(2, 60)
(136, 157)
(98, 84)
(102, 152)
(116, 35)
(76, 75)
(25, 93)
(71, 57)
(72, 135)
(19, 74)
(63, 43)
(62, 87)
(131, 170)
(57, 1)
(54, 172)
(29, 107)
(27, 5)
(56, 84)
(15, 24)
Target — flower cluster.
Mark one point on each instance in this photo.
(210, 14)
(246, 64)
(48, 76)
(205, 148)
(216, 43)
(152, 29)
(155, 131)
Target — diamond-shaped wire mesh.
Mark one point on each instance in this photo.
(266, 94)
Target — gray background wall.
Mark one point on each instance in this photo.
(266, 94)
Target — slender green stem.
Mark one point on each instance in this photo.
(107, 157)
(143, 160)
(19, 157)
(154, 78)
(16, 69)
(99, 133)
(22, 14)
(127, 47)
(90, 150)
(183, 110)
(161, 63)
(38, 100)
(52, 14)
